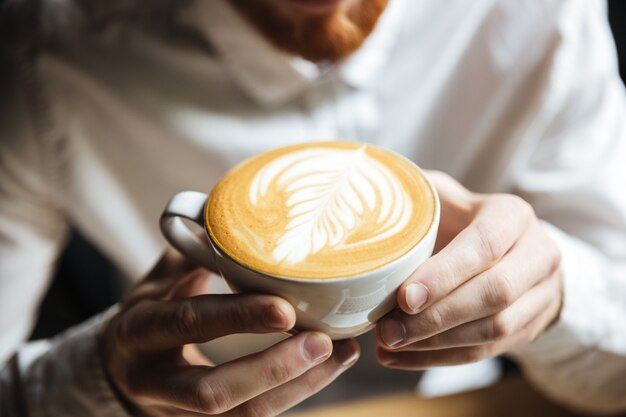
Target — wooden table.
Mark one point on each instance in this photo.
(511, 397)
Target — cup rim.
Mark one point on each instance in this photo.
(432, 228)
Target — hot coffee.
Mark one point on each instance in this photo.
(320, 210)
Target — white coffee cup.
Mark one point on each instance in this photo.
(339, 307)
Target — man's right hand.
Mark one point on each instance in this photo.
(148, 354)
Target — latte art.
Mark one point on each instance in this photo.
(320, 210)
(327, 192)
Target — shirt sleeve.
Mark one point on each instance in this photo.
(60, 377)
(576, 181)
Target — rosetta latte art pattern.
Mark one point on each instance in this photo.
(327, 192)
(320, 210)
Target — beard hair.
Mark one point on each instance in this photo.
(317, 38)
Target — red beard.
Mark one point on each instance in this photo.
(315, 37)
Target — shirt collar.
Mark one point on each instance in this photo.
(272, 77)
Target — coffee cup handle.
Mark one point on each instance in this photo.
(187, 205)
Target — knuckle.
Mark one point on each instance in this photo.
(186, 319)
(517, 204)
(442, 276)
(500, 327)
(432, 320)
(488, 246)
(529, 335)
(499, 292)
(277, 372)
(554, 255)
(446, 273)
(211, 397)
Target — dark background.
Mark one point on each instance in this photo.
(617, 19)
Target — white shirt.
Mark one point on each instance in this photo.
(114, 113)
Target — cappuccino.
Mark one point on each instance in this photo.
(320, 210)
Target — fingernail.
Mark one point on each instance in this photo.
(392, 332)
(316, 347)
(347, 352)
(275, 318)
(416, 296)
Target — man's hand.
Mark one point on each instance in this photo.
(493, 285)
(147, 354)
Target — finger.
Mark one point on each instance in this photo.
(193, 356)
(490, 292)
(160, 325)
(217, 390)
(282, 398)
(172, 269)
(497, 327)
(498, 224)
(169, 411)
(462, 355)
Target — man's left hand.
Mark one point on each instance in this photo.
(493, 285)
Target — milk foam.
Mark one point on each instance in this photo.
(320, 210)
(328, 191)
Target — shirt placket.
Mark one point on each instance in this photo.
(336, 111)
